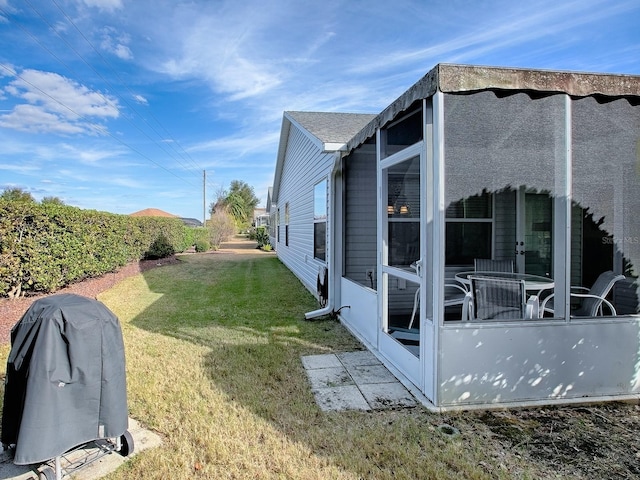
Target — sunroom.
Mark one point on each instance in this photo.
(490, 236)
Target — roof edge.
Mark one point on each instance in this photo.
(465, 78)
(455, 78)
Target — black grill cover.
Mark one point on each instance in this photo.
(66, 382)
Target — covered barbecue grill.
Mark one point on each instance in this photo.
(66, 382)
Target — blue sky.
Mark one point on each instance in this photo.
(119, 105)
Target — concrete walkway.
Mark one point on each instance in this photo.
(354, 381)
(142, 440)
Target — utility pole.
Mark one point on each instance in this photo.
(204, 198)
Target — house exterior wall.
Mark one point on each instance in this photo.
(362, 315)
(360, 216)
(304, 166)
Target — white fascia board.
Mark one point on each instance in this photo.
(334, 147)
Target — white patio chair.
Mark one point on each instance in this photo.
(592, 299)
(454, 294)
(490, 265)
(498, 299)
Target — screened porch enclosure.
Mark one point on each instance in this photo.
(548, 183)
(521, 170)
(480, 224)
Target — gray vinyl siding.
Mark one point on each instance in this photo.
(304, 166)
(360, 224)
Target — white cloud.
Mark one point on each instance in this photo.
(56, 104)
(535, 23)
(88, 155)
(7, 70)
(30, 118)
(21, 168)
(104, 5)
(239, 145)
(140, 99)
(225, 47)
(4, 4)
(125, 182)
(116, 43)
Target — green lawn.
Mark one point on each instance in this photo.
(213, 349)
(213, 361)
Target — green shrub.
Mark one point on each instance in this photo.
(262, 236)
(160, 248)
(202, 245)
(44, 247)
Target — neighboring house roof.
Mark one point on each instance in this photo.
(191, 222)
(329, 131)
(151, 212)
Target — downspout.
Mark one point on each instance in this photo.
(329, 308)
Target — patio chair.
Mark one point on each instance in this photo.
(592, 299)
(498, 299)
(454, 294)
(490, 265)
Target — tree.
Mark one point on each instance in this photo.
(16, 194)
(52, 201)
(239, 202)
(221, 227)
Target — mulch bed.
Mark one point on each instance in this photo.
(11, 310)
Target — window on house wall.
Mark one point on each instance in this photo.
(273, 224)
(320, 221)
(278, 226)
(286, 224)
(469, 229)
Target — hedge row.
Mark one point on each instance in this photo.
(44, 247)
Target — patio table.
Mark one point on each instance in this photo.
(532, 283)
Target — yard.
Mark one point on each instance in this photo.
(213, 363)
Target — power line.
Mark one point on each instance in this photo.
(131, 107)
(107, 100)
(101, 130)
(108, 64)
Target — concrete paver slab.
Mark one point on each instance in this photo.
(361, 357)
(329, 377)
(387, 395)
(321, 361)
(347, 397)
(354, 381)
(142, 440)
(365, 374)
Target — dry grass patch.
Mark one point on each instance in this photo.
(213, 364)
